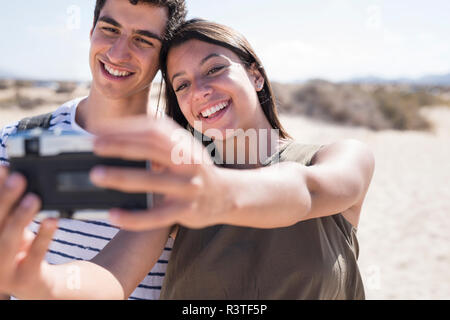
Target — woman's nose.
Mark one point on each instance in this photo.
(202, 90)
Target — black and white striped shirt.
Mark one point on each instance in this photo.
(82, 240)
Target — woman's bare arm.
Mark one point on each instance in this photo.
(200, 194)
(284, 194)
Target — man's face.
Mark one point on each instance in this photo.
(125, 47)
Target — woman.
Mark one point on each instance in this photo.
(281, 227)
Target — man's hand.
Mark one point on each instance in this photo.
(22, 266)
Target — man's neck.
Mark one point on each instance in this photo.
(96, 110)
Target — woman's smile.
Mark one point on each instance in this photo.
(215, 112)
(214, 86)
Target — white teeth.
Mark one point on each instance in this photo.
(214, 109)
(116, 73)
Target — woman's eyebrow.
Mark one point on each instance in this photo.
(212, 55)
(177, 75)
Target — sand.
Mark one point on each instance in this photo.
(404, 232)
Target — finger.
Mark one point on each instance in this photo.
(27, 239)
(159, 135)
(135, 124)
(40, 245)
(153, 137)
(20, 218)
(142, 181)
(123, 126)
(156, 218)
(10, 193)
(157, 167)
(3, 174)
(131, 149)
(181, 152)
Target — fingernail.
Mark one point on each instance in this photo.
(98, 174)
(13, 181)
(28, 201)
(50, 223)
(114, 216)
(3, 171)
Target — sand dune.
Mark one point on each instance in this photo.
(404, 230)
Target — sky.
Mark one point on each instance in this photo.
(296, 39)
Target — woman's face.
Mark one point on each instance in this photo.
(214, 88)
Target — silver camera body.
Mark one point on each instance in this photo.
(57, 166)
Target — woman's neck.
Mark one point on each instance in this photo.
(249, 149)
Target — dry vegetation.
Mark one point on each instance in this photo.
(29, 95)
(377, 107)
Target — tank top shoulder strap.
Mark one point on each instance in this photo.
(296, 152)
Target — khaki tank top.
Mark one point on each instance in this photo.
(313, 259)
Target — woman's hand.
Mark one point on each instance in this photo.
(192, 192)
(198, 194)
(22, 266)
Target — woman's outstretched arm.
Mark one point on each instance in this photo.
(336, 181)
(199, 194)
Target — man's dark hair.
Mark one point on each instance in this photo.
(176, 9)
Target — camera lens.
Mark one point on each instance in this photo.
(32, 146)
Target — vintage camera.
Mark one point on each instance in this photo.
(57, 166)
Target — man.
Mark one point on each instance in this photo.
(126, 39)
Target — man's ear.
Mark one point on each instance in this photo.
(257, 78)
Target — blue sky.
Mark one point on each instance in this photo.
(295, 39)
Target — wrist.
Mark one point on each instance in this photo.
(228, 187)
(48, 276)
(39, 287)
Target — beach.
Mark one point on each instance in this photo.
(403, 233)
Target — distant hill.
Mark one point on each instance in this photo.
(436, 80)
(4, 74)
(443, 80)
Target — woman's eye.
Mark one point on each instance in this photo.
(215, 70)
(181, 87)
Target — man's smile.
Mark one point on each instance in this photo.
(114, 73)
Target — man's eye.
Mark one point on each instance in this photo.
(145, 42)
(215, 70)
(110, 30)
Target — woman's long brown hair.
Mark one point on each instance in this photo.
(226, 37)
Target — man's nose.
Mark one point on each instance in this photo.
(119, 51)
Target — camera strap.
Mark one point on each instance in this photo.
(40, 121)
